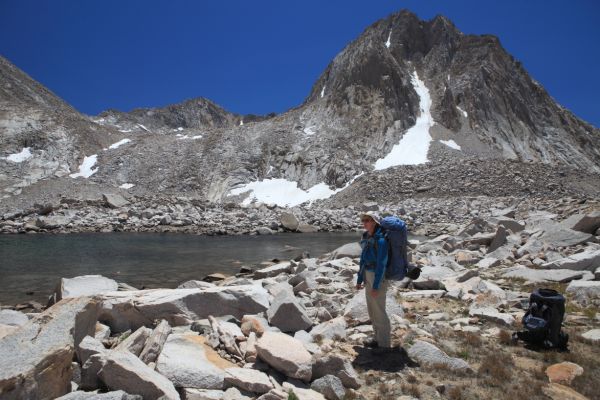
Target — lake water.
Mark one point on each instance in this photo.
(35, 263)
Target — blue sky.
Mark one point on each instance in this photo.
(263, 56)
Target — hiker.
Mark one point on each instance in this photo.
(373, 262)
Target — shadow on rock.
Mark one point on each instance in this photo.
(392, 360)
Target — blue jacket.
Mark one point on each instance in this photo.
(374, 257)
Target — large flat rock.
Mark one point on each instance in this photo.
(585, 292)
(132, 309)
(124, 371)
(557, 235)
(285, 354)
(543, 275)
(86, 285)
(189, 363)
(35, 360)
(586, 260)
(428, 354)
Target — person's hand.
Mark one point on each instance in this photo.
(359, 286)
(374, 293)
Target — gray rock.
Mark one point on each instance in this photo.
(597, 274)
(193, 284)
(593, 335)
(248, 379)
(289, 221)
(587, 223)
(332, 329)
(488, 262)
(102, 331)
(491, 314)
(88, 347)
(114, 200)
(154, 343)
(273, 270)
(351, 250)
(307, 228)
(422, 294)
(329, 386)
(285, 354)
(288, 314)
(13, 318)
(124, 371)
(338, 366)
(185, 361)
(86, 285)
(135, 342)
(90, 370)
(510, 224)
(116, 395)
(427, 354)
(263, 230)
(36, 358)
(130, 310)
(53, 222)
(585, 292)
(586, 260)
(556, 235)
(202, 394)
(543, 275)
(499, 239)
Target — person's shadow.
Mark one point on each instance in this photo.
(392, 360)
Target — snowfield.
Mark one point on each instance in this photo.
(21, 156)
(285, 193)
(127, 186)
(85, 169)
(414, 145)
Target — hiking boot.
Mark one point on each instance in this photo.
(371, 343)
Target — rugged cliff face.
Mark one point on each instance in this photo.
(405, 91)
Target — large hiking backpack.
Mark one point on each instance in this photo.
(396, 234)
(543, 320)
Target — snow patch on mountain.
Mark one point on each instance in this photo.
(119, 143)
(388, 42)
(414, 145)
(451, 143)
(285, 193)
(86, 168)
(21, 156)
(310, 130)
(323, 91)
(127, 186)
(462, 111)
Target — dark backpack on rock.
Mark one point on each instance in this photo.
(543, 320)
(396, 234)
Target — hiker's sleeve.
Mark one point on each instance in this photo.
(382, 259)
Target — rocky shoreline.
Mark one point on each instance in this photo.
(114, 212)
(295, 329)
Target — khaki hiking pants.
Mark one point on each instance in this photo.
(376, 309)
